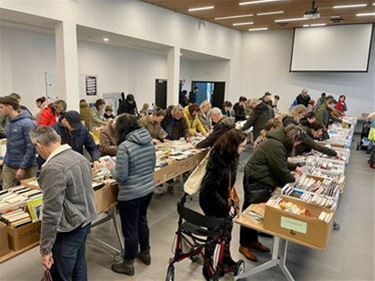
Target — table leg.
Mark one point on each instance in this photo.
(275, 261)
(283, 267)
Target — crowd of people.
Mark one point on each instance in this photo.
(55, 139)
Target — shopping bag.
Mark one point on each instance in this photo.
(47, 276)
(233, 199)
(194, 181)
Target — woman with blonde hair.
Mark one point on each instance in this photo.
(297, 114)
(144, 110)
(203, 115)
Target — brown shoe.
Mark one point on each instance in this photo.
(248, 253)
(256, 245)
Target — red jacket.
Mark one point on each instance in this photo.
(47, 117)
(341, 107)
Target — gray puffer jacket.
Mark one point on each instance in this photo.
(135, 164)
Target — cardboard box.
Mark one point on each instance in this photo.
(24, 235)
(4, 244)
(106, 197)
(308, 230)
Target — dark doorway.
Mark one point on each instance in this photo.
(213, 91)
(161, 93)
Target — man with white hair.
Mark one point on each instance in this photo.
(303, 98)
(68, 206)
(222, 124)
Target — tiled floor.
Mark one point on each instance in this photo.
(350, 255)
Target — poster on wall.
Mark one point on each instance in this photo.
(91, 89)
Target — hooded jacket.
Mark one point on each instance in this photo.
(84, 111)
(214, 191)
(223, 126)
(135, 164)
(269, 163)
(78, 139)
(258, 118)
(20, 152)
(193, 124)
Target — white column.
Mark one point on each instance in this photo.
(67, 63)
(173, 75)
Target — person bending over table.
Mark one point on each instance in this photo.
(267, 169)
(194, 124)
(222, 124)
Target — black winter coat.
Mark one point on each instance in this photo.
(259, 118)
(214, 191)
(239, 112)
(126, 107)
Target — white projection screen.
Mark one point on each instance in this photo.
(340, 48)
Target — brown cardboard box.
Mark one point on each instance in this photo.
(309, 230)
(24, 235)
(106, 197)
(4, 245)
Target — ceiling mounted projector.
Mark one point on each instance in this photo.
(313, 13)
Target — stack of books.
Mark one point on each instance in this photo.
(16, 218)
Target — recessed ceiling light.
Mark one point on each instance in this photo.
(314, 25)
(270, 13)
(105, 39)
(201, 8)
(258, 29)
(373, 4)
(318, 24)
(349, 6)
(335, 17)
(257, 2)
(365, 14)
(243, 23)
(234, 17)
(292, 19)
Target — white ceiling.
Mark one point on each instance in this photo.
(33, 23)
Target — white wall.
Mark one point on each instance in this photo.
(119, 69)
(144, 21)
(266, 59)
(25, 57)
(205, 70)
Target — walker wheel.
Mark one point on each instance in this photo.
(239, 268)
(170, 273)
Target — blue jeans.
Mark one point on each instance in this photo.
(69, 255)
(133, 214)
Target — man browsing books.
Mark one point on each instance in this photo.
(68, 207)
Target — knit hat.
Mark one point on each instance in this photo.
(73, 118)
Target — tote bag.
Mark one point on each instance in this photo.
(193, 183)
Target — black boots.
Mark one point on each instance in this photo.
(126, 267)
(145, 256)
